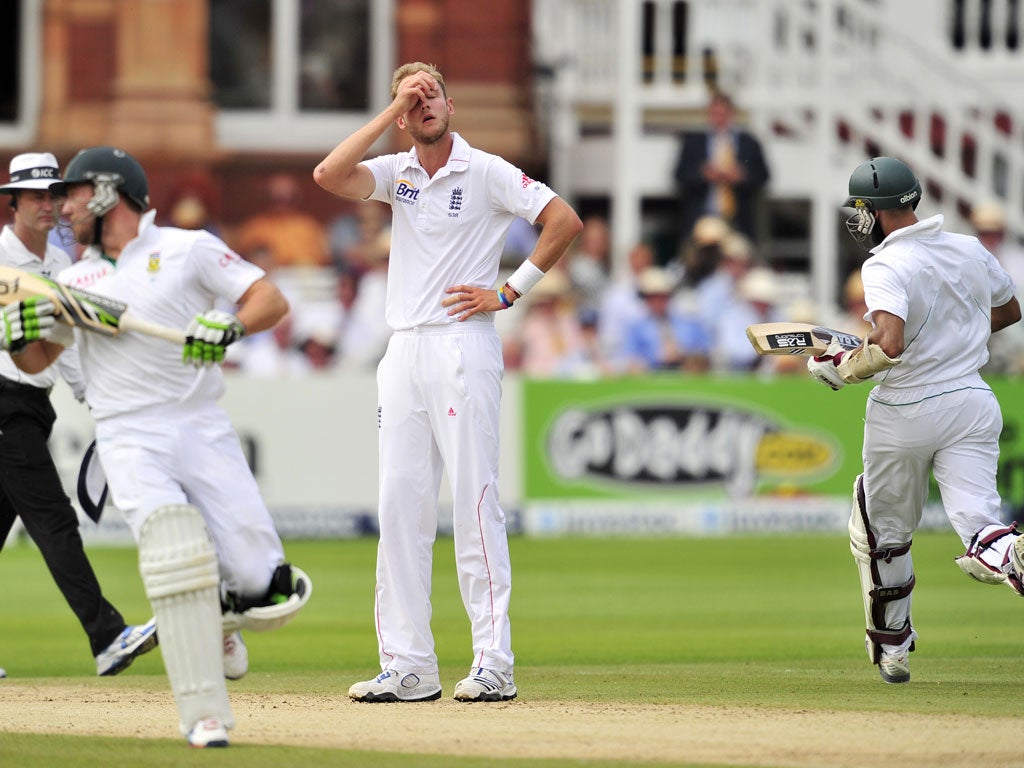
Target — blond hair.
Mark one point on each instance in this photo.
(412, 68)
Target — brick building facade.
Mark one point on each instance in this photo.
(136, 74)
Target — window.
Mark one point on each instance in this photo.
(297, 74)
(10, 72)
(240, 53)
(335, 55)
(20, 70)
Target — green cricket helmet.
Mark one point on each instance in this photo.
(879, 184)
(109, 170)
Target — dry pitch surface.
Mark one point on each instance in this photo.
(531, 729)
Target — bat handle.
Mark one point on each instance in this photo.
(130, 323)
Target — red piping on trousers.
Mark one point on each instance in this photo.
(487, 565)
(376, 616)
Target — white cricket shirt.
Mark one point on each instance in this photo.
(87, 270)
(167, 276)
(944, 286)
(13, 253)
(450, 229)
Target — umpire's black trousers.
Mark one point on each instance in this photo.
(31, 488)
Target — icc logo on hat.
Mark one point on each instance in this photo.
(32, 170)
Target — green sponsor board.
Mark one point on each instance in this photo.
(1010, 393)
(710, 437)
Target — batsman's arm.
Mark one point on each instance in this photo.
(262, 306)
(1005, 315)
(887, 333)
(880, 351)
(37, 356)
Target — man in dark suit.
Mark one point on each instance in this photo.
(721, 171)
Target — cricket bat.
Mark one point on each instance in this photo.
(796, 338)
(80, 308)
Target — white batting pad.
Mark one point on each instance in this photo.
(179, 570)
(886, 608)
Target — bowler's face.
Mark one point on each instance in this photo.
(428, 120)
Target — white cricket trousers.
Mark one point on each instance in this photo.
(439, 393)
(954, 435)
(190, 454)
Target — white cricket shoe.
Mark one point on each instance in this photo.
(132, 642)
(208, 732)
(236, 656)
(486, 685)
(392, 685)
(1017, 556)
(895, 667)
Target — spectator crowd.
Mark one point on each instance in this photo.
(586, 319)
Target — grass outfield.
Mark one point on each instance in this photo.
(767, 623)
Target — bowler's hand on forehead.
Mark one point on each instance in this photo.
(420, 84)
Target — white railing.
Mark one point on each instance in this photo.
(823, 83)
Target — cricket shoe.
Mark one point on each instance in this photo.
(895, 667)
(236, 656)
(486, 685)
(392, 685)
(134, 641)
(208, 732)
(1016, 575)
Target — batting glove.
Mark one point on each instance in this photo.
(823, 367)
(209, 335)
(27, 321)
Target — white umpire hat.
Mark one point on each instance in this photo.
(32, 170)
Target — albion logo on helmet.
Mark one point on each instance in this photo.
(908, 197)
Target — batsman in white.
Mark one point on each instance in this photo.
(30, 487)
(207, 543)
(439, 383)
(933, 299)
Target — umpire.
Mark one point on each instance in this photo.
(29, 484)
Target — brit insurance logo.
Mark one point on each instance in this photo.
(406, 192)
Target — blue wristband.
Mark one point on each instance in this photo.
(503, 299)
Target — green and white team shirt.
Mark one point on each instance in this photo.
(943, 285)
(167, 276)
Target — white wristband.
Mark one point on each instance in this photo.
(524, 278)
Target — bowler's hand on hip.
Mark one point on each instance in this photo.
(465, 301)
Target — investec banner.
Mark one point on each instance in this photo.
(704, 455)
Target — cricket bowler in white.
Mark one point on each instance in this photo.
(933, 299)
(210, 557)
(439, 383)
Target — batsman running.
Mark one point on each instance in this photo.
(933, 299)
(439, 383)
(30, 486)
(174, 465)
